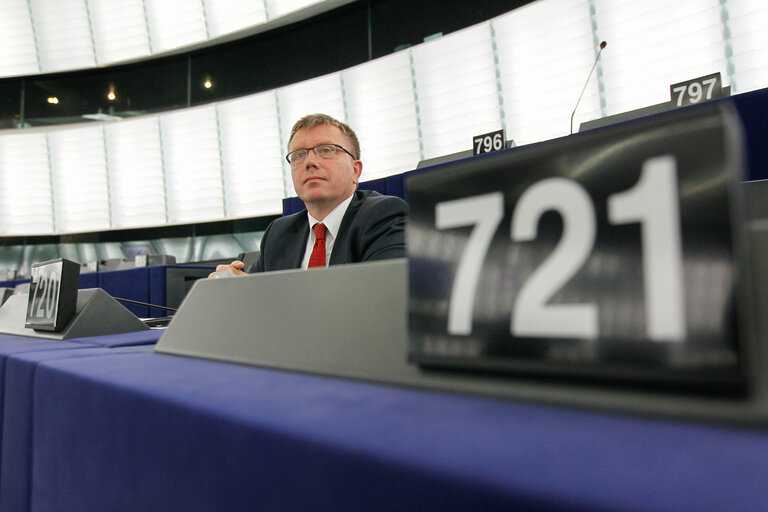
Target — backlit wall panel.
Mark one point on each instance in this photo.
(251, 155)
(79, 176)
(41, 36)
(136, 177)
(119, 30)
(192, 163)
(18, 52)
(62, 34)
(381, 108)
(655, 43)
(546, 50)
(174, 23)
(747, 23)
(456, 89)
(227, 16)
(26, 201)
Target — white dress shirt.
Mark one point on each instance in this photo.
(332, 223)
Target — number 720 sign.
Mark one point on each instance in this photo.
(610, 252)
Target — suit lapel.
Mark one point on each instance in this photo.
(339, 245)
(294, 250)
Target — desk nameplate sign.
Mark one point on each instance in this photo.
(488, 142)
(52, 294)
(696, 90)
(613, 254)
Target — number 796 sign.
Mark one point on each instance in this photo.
(608, 253)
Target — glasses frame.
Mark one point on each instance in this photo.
(314, 150)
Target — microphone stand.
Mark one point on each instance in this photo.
(602, 45)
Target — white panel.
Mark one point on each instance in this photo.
(192, 165)
(17, 40)
(319, 95)
(749, 42)
(25, 185)
(276, 8)
(135, 160)
(119, 30)
(225, 16)
(174, 23)
(382, 111)
(79, 172)
(655, 43)
(546, 51)
(63, 34)
(251, 155)
(457, 93)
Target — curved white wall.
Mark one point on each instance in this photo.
(43, 36)
(522, 71)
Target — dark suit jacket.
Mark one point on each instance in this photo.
(373, 228)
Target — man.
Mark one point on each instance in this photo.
(356, 226)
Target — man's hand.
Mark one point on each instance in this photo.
(236, 268)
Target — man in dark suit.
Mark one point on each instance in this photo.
(352, 226)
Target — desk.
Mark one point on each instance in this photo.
(19, 358)
(146, 431)
(164, 285)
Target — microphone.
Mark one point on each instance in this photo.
(162, 321)
(129, 301)
(602, 45)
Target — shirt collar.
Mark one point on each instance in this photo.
(333, 220)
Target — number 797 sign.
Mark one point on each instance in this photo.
(600, 253)
(696, 90)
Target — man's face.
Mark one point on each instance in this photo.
(324, 182)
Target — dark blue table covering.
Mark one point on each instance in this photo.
(19, 357)
(148, 431)
(16, 459)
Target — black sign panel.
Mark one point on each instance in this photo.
(696, 90)
(608, 253)
(493, 141)
(52, 294)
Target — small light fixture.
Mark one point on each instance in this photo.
(53, 100)
(207, 84)
(111, 96)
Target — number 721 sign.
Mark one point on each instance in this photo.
(614, 250)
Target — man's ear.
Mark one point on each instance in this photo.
(358, 170)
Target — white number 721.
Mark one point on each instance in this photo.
(652, 202)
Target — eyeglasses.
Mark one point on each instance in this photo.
(326, 151)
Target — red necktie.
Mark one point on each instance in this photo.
(317, 259)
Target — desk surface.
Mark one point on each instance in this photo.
(147, 431)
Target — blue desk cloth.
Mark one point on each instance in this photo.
(16, 454)
(149, 431)
(19, 357)
(11, 420)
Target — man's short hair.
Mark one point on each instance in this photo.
(312, 120)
